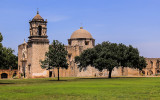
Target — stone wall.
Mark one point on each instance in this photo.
(38, 54)
(153, 67)
(8, 73)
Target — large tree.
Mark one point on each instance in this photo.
(8, 59)
(1, 49)
(110, 55)
(55, 57)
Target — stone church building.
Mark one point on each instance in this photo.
(32, 52)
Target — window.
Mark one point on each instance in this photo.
(151, 64)
(39, 30)
(86, 42)
(69, 42)
(69, 57)
(157, 64)
(24, 69)
(29, 68)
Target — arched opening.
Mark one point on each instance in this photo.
(69, 42)
(151, 64)
(4, 75)
(24, 69)
(39, 30)
(86, 42)
(158, 72)
(69, 57)
(143, 73)
(150, 72)
(14, 74)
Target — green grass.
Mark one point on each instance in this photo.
(81, 89)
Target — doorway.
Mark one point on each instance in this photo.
(50, 73)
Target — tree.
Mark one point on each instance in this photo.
(1, 37)
(110, 55)
(1, 47)
(8, 59)
(55, 57)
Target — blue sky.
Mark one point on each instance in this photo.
(135, 22)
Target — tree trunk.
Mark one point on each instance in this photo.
(110, 72)
(58, 73)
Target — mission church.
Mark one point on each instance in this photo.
(32, 52)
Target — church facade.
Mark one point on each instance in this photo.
(32, 52)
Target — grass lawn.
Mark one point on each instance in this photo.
(81, 89)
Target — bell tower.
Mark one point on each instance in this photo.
(38, 29)
(38, 45)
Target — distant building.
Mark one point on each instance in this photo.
(32, 52)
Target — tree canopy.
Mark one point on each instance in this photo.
(109, 55)
(1, 37)
(8, 59)
(55, 57)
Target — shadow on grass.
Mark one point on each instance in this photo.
(6, 83)
(95, 78)
(57, 80)
(111, 78)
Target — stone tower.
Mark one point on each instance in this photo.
(38, 30)
(35, 49)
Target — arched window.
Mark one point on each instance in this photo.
(39, 30)
(86, 42)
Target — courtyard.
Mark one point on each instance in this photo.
(120, 88)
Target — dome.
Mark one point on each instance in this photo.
(37, 17)
(81, 33)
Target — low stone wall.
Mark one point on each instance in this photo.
(8, 73)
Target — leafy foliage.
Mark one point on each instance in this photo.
(8, 59)
(55, 57)
(1, 37)
(109, 55)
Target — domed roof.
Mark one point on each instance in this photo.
(37, 17)
(81, 33)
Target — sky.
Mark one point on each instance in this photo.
(131, 22)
